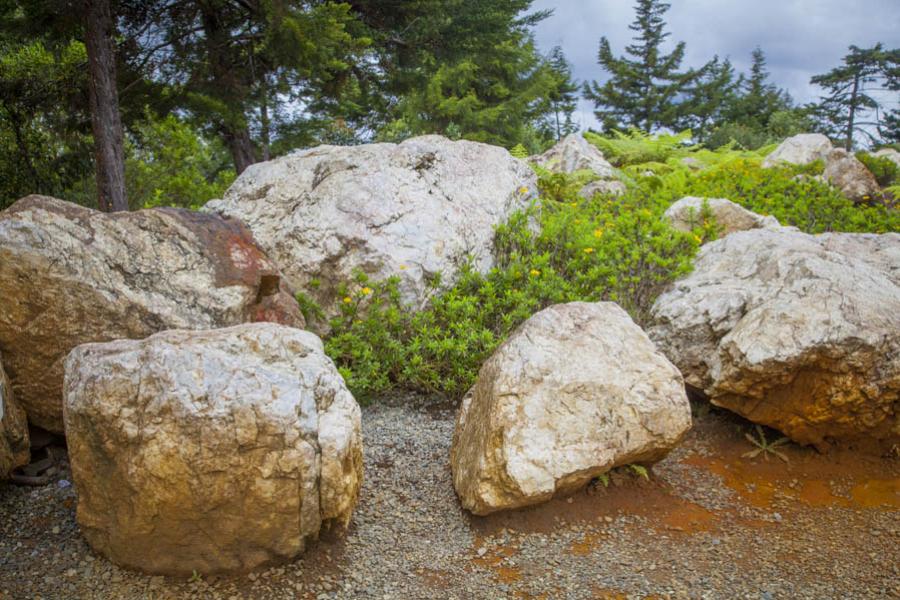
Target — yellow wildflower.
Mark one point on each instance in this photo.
(347, 299)
(588, 250)
(699, 239)
(535, 272)
(366, 291)
(598, 232)
(573, 204)
(402, 267)
(523, 189)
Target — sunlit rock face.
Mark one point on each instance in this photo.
(794, 331)
(70, 275)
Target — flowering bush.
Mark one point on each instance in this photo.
(599, 249)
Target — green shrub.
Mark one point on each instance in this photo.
(886, 172)
(637, 147)
(568, 248)
(599, 249)
(791, 194)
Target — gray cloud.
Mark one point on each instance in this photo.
(801, 38)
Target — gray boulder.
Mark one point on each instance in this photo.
(801, 149)
(686, 214)
(573, 154)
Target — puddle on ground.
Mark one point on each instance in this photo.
(759, 484)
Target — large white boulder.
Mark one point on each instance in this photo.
(576, 390)
(801, 149)
(688, 213)
(794, 331)
(14, 446)
(414, 210)
(210, 451)
(71, 275)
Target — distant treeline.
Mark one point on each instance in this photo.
(129, 103)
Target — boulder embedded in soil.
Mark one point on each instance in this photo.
(210, 451)
(794, 331)
(71, 275)
(687, 213)
(575, 391)
(14, 447)
(414, 209)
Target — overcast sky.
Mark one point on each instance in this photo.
(801, 38)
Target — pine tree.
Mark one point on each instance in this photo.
(757, 99)
(462, 68)
(849, 86)
(563, 99)
(642, 91)
(708, 98)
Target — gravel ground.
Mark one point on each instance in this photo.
(708, 524)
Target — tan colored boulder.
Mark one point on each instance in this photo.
(687, 213)
(575, 391)
(801, 149)
(210, 451)
(794, 331)
(847, 173)
(410, 210)
(14, 447)
(70, 275)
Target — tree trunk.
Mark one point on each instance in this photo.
(241, 147)
(234, 129)
(850, 120)
(109, 154)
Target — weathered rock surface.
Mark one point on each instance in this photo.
(412, 209)
(577, 390)
(801, 149)
(611, 187)
(14, 450)
(890, 154)
(687, 213)
(842, 170)
(797, 332)
(573, 153)
(212, 451)
(70, 275)
(847, 173)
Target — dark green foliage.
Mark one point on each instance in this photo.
(563, 99)
(45, 146)
(886, 171)
(642, 90)
(791, 195)
(169, 164)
